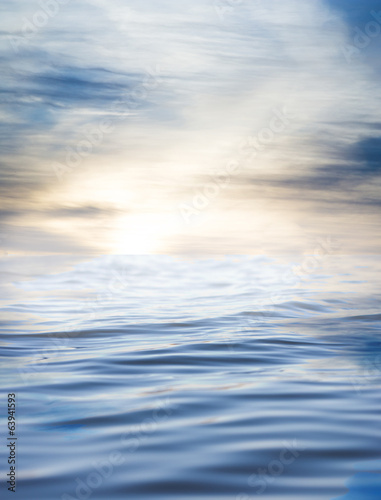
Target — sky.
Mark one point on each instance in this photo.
(193, 127)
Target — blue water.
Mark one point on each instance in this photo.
(161, 378)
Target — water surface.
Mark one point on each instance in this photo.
(155, 377)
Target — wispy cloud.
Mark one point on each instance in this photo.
(220, 81)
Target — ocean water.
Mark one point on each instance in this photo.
(166, 378)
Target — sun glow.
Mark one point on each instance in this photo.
(140, 234)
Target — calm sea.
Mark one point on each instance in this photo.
(165, 378)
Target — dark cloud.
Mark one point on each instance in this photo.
(66, 87)
(82, 211)
(362, 165)
(356, 12)
(38, 100)
(346, 182)
(368, 153)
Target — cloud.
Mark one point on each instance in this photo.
(220, 77)
(355, 13)
(368, 153)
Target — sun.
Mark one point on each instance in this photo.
(140, 234)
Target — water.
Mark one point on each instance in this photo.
(155, 377)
